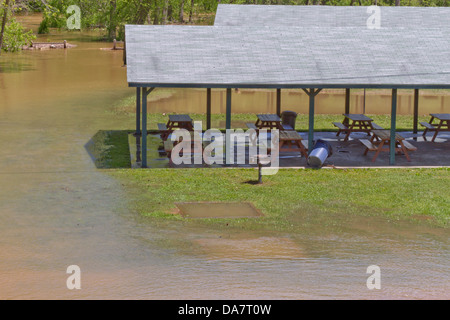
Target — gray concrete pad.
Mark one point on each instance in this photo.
(346, 154)
(350, 154)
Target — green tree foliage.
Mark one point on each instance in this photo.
(16, 37)
(13, 36)
(112, 15)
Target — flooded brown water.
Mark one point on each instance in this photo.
(327, 102)
(57, 209)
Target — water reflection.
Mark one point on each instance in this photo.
(327, 102)
(14, 66)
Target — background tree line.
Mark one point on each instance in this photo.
(112, 15)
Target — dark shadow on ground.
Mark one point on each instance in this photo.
(251, 182)
(109, 149)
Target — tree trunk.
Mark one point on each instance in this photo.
(142, 12)
(181, 19)
(112, 21)
(397, 3)
(191, 10)
(165, 11)
(156, 12)
(5, 17)
(169, 11)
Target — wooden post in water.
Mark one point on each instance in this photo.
(65, 44)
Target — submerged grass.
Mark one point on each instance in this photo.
(395, 193)
(110, 149)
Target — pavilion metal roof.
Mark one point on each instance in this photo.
(279, 46)
(330, 16)
(276, 57)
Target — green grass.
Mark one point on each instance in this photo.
(321, 194)
(314, 195)
(110, 149)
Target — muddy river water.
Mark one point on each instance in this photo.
(57, 209)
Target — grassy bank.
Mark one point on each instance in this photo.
(420, 194)
(289, 199)
(110, 149)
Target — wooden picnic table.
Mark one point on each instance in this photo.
(292, 141)
(380, 142)
(355, 123)
(182, 121)
(176, 121)
(268, 121)
(442, 124)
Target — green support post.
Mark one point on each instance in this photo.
(138, 111)
(145, 93)
(311, 122)
(228, 111)
(347, 104)
(416, 112)
(144, 128)
(279, 102)
(393, 126)
(208, 108)
(312, 94)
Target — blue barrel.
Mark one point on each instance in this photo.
(320, 152)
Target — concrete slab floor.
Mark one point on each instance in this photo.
(346, 154)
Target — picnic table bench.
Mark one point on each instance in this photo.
(291, 141)
(359, 123)
(176, 121)
(164, 132)
(383, 145)
(443, 124)
(268, 121)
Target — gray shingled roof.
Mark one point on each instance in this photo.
(260, 56)
(330, 16)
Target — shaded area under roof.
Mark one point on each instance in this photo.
(280, 57)
(330, 16)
